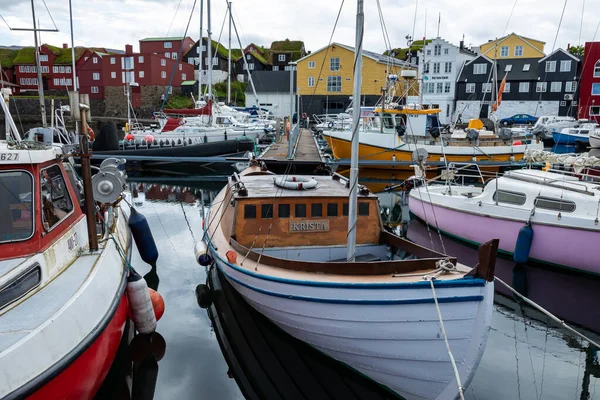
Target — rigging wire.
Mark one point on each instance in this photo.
(174, 15)
(51, 18)
(581, 23)
(509, 18)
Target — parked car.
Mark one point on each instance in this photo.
(520, 119)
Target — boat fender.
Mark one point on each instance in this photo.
(140, 304)
(143, 237)
(231, 256)
(523, 245)
(204, 296)
(330, 125)
(517, 143)
(158, 303)
(202, 255)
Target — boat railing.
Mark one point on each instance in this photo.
(562, 184)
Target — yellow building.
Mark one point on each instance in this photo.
(513, 46)
(325, 78)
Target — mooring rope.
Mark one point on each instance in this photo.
(452, 361)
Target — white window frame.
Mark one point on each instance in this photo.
(183, 77)
(550, 66)
(141, 74)
(96, 76)
(448, 67)
(556, 87)
(437, 49)
(251, 66)
(113, 60)
(470, 88)
(311, 64)
(504, 51)
(174, 55)
(168, 45)
(597, 113)
(523, 87)
(43, 57)
(275, 67)
(163, 62)
(334, 84)
(479, 69)
(94, 89)
(506, 88)
(519, 51)
(334, 64)
(565, 65)
(311, 81)
(113, 75)
(140, 59)
(163, 74)
(436, 68)
(447, 87)
(541, 87)
(508, 68)
(570, 86)
(486, 87)
(526, 67)
(95, 60)
(597, 69)
(439, 87)
(281, 57)
(446, 51)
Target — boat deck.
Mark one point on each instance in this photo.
(268, 363)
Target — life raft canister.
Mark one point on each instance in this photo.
(295, 182)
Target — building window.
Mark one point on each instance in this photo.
(215, 61)
(470, 88)
(163, 74)
(555, 86)
(68, 70)
(595, 89)
(487, 88)
(251, 66)
(526, 67)
(447, 87)
(595, 111)
(316, 210)
(332, 209)
(54, 69)
(597, 69)
(113, 60)
(363, 209)
(550, 66)
(56, 82)
(334, 64)
(570, 87)
(140, 59)
(446, 51)
(311, 81)
(565, 66)
(96, 76)
(506, 88)
(266, 211)
(95, 60)
(183, 77)
(436, 68)
(504, 196)
(168, 54)
(311, 64)
(284, 211)
(429, 88)
(174, 55)
(180, 67)
(504, 51)
(447, 67)
(113, 75)
(300, 211)
(248, 57)
(163, 63)
(141, 74)
(249, 211)
(429, 52)
(518, 51)
(57, 204)
(426, 68)
(46, 69)
(275, 68)
(334, 83)
(281, 57)
(203, 47)
(541, 87)
(94, 89)
(508, 68)
(440, 87)
(479, 69)
(437, 50)
(524, 87)
(167, 45)
(43, 57)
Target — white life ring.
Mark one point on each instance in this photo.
(295, 182)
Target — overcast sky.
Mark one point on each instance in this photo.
(114, 23)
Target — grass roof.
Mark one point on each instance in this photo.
(259, 57)
(401, 53)
(287, 45)
(7, 57)
(162, 39)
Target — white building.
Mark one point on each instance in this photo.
(273, 91)
(440, 63)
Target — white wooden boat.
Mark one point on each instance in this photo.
(283, 250)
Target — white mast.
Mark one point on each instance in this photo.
(353, 200)
(39, 68)
(200, 52)
(229, 58)
(209, 49)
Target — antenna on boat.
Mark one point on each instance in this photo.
(353, 200)
(200, 44)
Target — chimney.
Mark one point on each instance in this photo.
(65, 46)
(128, 49)
(462, 44)
(568, 46)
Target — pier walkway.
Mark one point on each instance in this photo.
(306, 157)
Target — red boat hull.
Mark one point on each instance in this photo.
(82, 378)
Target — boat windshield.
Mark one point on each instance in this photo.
(16, 210)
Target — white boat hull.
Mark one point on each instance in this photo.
(595, 141)
(388, 332)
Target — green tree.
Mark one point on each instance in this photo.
(577, 50)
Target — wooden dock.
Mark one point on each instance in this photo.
(306, 155)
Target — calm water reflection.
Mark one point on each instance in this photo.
(526, 357)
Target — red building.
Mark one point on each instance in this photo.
(166, 46)
(589, 91)
(98, 70)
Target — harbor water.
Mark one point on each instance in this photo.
(527, 356)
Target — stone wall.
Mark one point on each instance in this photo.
(115, 101)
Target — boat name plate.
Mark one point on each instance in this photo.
(309, 226)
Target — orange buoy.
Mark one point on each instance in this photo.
(231, 256)
(158, 303)
(517, 143)
(91, 133)
(129, 137)
(149, 139)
